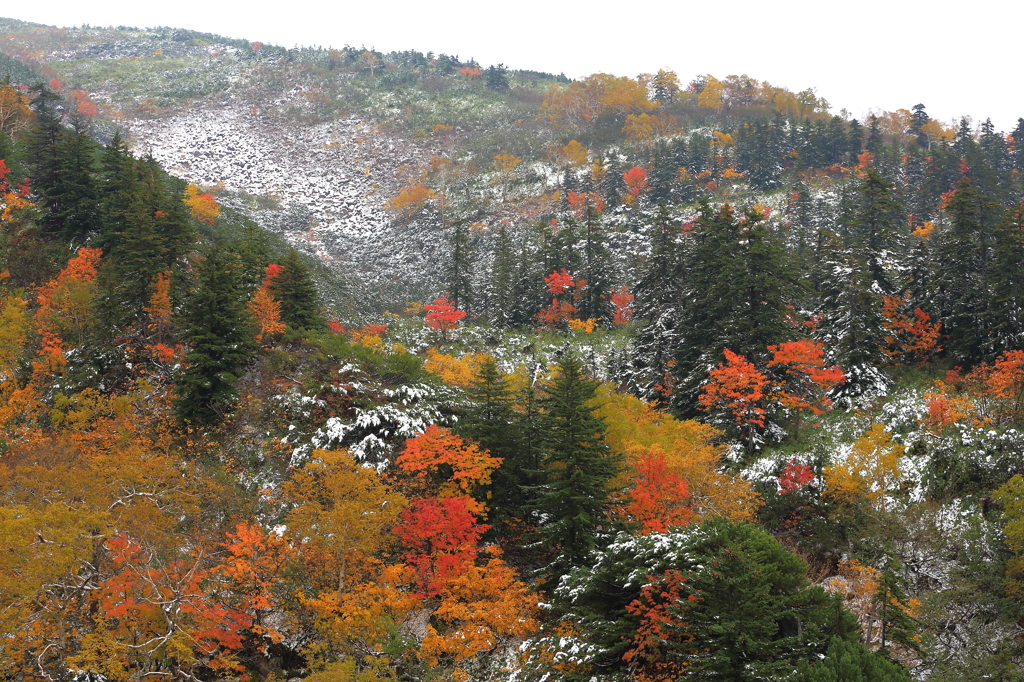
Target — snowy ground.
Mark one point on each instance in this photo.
(341, 172)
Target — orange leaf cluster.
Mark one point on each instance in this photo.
(909, 337)
(736, 387)
(409, 200)
(581, 202)
(267, 312)
(204, 207)
(622, 306)
(659, 499)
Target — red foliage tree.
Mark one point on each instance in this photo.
(442, 538)
(795, 477)
(622, 306)
(660, 498)
(636, 182)
(558, 282)
(736, 389)
(443, 316)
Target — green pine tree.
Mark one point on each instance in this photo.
(220, 337)
(578, 467)
(294, 290)
(491, 422)
(852, 662)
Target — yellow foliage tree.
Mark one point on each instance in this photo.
(711, 97)
(870, 470)
(636, 428)
(203, 207)
(452, 370)
(574, 154)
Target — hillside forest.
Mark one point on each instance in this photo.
(537, 379)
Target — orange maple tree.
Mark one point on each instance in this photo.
(910, 337)
(801, 378)
(636, 182)
(736, 389)
(443, 316)
(66, 306)
(659, 499)
(581, 202)
(444, 464)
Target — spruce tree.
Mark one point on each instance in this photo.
(964, 254)
(577, 466)
(852, 662)
(491, 422)
(295, 291)
(459, 271)
(220, 337)
(1004, 315)
(740, 282)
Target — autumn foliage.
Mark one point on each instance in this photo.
(443, 316)
(203, 206)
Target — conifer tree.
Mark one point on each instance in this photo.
(491, 422)
(852, 662)
(577, 465)
(295, 291)
(500, 282)
(459, 271)
(220, 336)
(740, 280)
(659, 300)
(1004, 315)
(964, 255)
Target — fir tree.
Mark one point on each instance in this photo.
(964, 254)
(295, 291)
(491, 422)
(740, 282)
(459, 271)
(1004, 315)
(852, 662)
(220, 337)
(578, 467)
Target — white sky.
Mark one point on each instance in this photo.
(958, 59)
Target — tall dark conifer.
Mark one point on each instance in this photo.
(578, 467)
(220, 338)
(294, 290)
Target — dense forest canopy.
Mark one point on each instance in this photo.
(508, 376)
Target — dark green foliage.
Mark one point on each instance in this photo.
(491, 422)
(577, 466)
(220, 336)
(496, 77)
(659, 295)
(964, 255)
(891, 601)
(296, 293)
(877, 227)
(852, 662)
(739, 282)
(146, 230)
(743, 608)
(596, 268)
(1004, 314)
(459, 271)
